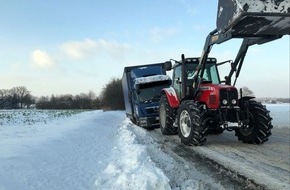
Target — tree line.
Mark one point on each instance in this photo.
(110, 98)
(16, 97)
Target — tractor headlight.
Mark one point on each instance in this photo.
(234, 101)
(225, 102)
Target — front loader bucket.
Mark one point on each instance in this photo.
(254, 18)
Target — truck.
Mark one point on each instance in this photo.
(199, 102)
(142, 85)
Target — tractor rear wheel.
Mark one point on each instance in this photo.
(166, 117)
(259, 128)
(190, 123)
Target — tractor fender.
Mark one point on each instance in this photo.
(245, 99)
(171, 97)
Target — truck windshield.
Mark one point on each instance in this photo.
(150, 92)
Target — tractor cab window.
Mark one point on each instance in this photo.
(190, 71)
(210, 73)
(177, 80)
(177, 75)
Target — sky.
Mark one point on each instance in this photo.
(72, 47)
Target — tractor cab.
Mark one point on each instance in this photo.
(210, 76)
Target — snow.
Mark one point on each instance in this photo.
(268, 6)
(149, 79)
(280, 114)
(133, 168)
(264, 6)
(89, 150)
(104, 150)
(258, 6)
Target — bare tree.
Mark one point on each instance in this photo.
(28, 100)
(19, 93)
(68, 101)
(112, 95)
(5, 99)
(247, 91)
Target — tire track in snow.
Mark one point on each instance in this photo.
(227, 162)
(186, 168)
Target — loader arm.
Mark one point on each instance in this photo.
(254, 21)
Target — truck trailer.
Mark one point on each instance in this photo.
(142, 85)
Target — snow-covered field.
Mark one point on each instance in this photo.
(94, 150)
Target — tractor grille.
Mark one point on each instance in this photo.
(228, 94)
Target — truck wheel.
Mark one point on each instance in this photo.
(190, 123)
(259, 128)
(166, 117)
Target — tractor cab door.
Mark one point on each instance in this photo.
(190, 68)
(176, 82)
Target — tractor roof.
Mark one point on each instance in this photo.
(194, 60)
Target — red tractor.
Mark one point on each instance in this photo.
(199, 102)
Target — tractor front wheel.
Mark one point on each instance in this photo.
(259, 128)
(190, 126)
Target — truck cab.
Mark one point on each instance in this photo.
(141, 87)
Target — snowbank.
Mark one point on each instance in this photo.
(89, 150)
(131, 167)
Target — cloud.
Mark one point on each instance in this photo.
(41, 59)
(158, 34)
(87, 48)
(114, 49)
(79, 49)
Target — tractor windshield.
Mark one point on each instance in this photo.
(210, 73)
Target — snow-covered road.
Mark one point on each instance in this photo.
(103, 150)
(265, 166)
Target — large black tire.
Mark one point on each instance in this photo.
(259, 128)
(166, 117)
(191, 128)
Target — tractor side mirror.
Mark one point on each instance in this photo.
(167, 65)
